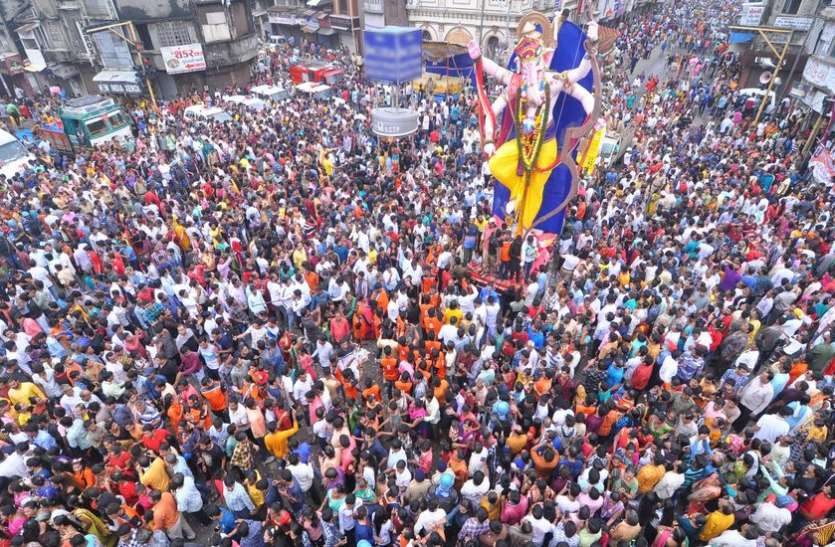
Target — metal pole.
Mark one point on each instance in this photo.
(813, 136)
(785, 89)
(481, 25)
(507, 22)
(135, 40)
(771, 81)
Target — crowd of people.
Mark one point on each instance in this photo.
(267, 331)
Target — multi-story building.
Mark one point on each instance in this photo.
(57, 53)
(125, 47)
(491, 22)
(12, 74)
(381, 13)
(345, 21)
(794, 18)
(819, 73)
(329, 23)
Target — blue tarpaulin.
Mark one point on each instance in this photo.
(741, 37)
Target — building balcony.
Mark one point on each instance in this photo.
(344, 22)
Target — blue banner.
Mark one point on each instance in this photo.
(392, 54)
(460, 66)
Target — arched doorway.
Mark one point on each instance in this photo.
(492, 47)
(427, 36)
(459, 35)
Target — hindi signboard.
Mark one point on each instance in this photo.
(793, 22)
(182, 59)
(751, 14)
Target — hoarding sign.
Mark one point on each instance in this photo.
(182, 59)
(392, 54)
(794, 22)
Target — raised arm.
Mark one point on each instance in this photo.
(491, 68)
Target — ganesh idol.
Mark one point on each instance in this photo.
(523, 150)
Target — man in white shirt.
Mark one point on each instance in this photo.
(771, 427)
(302, 472)
(669, 483)
(429, 519)
(449, 332)
(475, 488)
(669, 368)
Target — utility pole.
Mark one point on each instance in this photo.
(784, 90)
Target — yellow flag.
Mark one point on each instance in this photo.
(593, 150)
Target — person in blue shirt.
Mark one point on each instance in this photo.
(614, 374)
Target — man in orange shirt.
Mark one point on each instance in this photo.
(212, 391)
(431, 325)
(168, 518)
(608, 422)
(389, 366)
(371, 391)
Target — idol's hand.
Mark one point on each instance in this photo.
(528, 125)
(474, 50)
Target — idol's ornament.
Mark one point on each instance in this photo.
(548, 102)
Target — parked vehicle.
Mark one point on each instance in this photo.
(610, 150)
(270, 92)
(86, 122)
(319, 91)
(207, 113)
(249, 101)
(13, 155)
(315, 71)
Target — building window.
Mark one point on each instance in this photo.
(174, 33)
(29, 43)
(215, 28)
(791, 7)
(53, 35)
(822, 4)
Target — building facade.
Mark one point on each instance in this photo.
(491, 22)
(137, 47)
(794, 19)
(381, 13)
(330, 23)
(819, 72)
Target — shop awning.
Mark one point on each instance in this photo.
(32, 67)
(326, 31)
(64, 71)
(318, 3)
(116, 76)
